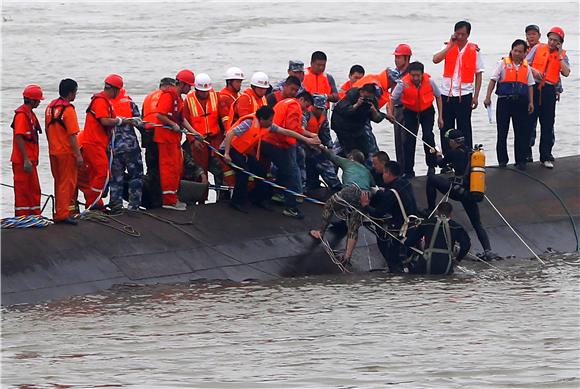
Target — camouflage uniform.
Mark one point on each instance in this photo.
(126, 161)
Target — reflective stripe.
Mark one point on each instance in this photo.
(229, 173)
(96, 190)
(169, 192)
(478, 169)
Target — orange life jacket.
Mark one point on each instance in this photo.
(317, 83)
(30, 137)
(122, 104)
(149, 109)
(315, 124)
(94, 132)
(467, 63)
(281, 114)
(249, 142)
(55, 111)
(515, 81)
(228, 97)
(381, 80)
(343, 89)
(204, 118)
(256, 102)
(417, 99)
(547, 63)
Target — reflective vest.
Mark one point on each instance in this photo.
(381, 80)
(343, 89)
(204, 118)
(228, 98)
(256, 102)
(175, 114)
(317, 83)
(122, 105)
(30, 136)
(149, 109)
(417, 99)
(547, 63)
(515, 81)
(282, 110)
(249, 142)
(315, 124)
(467, 63)
(55, 111)
(94, 132)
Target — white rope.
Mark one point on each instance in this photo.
(514, 231)
(444, 198)
(415, 135)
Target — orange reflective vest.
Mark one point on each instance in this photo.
(122, 104)
(249, 142)
(343, 89)
(547, 63)
(149, 109)
(317, 83)
(515, 81)
(314, 124)
(381, 80)
(30, 135)
(227, 98)
(467, 63)
(204, 118)
(55, 111)
(94, 132)
(417, 99)
(247, 96)
(287, 114)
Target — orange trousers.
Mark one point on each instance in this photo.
(170, 169)
(93, 175)
(64, 170)
(26, 190)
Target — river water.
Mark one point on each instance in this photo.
(484, 330)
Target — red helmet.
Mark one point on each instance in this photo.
(558, 31)
(186, 76)
(33, 92)
(114, 80)
(403, 49)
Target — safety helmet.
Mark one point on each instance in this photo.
(558, 31)
(114, 80)
(33, 92)
(202, 82)
(403, 49)
(234, 73)
(186, 76)
(260, 80)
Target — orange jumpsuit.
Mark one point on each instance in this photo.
(26, 185)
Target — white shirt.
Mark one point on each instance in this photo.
(451, 87)
(499, 73)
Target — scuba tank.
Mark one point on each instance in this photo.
(477, 173)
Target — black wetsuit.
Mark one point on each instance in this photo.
(439, 261)
(385, 203)
(458, 159)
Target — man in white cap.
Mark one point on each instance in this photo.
(229, 94)
(253, 97)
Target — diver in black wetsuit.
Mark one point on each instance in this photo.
(458, 158)
(385, 203)
(440, 235)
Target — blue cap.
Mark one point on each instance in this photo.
(319, 101)
(295, 66)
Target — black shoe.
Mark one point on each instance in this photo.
(69, 220)
(115, 211)
(238, 207)
(446, 169)
(529, 159)
(294, 213)
(502, 164)
(521, 166)
(430, 171)
(408, 176)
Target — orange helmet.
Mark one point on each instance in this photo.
(186, 76)
(33, 92)
(114, 80)
(403, 49)
(558, 31)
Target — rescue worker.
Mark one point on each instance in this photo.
(440, 235)
(229, 94)
(352, 114)
(533, 36)
(95, 141)
(281, 149)
(417, 91)
(316, 164)
(319, 82)
(25, 152)
(243, 144)
(168, 138)
(461, 83)
(295, 69)
(62, 127)
(355, 73)
(402, 55)
(515, 101)
(548, 62)
(289, 90)
(357, 179)
(253, 97)
(397, 200)
(458, 158)
(378, 161)
(201, 110)
(127, 160)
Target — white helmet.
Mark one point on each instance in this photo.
(202, 82)
(234, 73)
(260, 80)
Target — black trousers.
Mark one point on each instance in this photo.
(261, 190)
(516, 110)
(413, 119)
(393, 253)
(442, 184)
(400, 135)
(457, 114)
(545, 111)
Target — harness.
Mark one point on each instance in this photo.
(406, 218)
(429, 251)
(57, 112)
